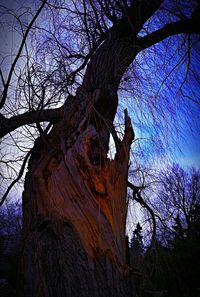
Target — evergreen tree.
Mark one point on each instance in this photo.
(179, 232)
(137, 239)
(136, 258)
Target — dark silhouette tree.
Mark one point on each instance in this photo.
(10, 235)
(74, 199)
(178, 200)
(136, 257)
(184, 253)
(178, 230)
(137, 239)
(172, 267)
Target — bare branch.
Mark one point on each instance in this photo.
(17, 179)
(185, 26)
(47, 115)
(138, 198)
(5, 91)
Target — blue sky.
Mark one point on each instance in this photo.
(165, 99)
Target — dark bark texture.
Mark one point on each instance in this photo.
(59, 266)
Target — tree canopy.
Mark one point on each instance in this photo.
(62, 48)
(81, 83)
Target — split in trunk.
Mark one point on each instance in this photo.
(74, 207)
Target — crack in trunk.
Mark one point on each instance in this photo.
(79, 186)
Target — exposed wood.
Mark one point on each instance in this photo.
(74, 207)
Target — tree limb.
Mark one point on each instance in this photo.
(138, 198)
(38, 116)
(185, 26)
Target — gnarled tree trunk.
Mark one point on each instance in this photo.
(74, 202)
(74, 206)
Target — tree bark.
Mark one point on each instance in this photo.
(74, 211)
(74, 202)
